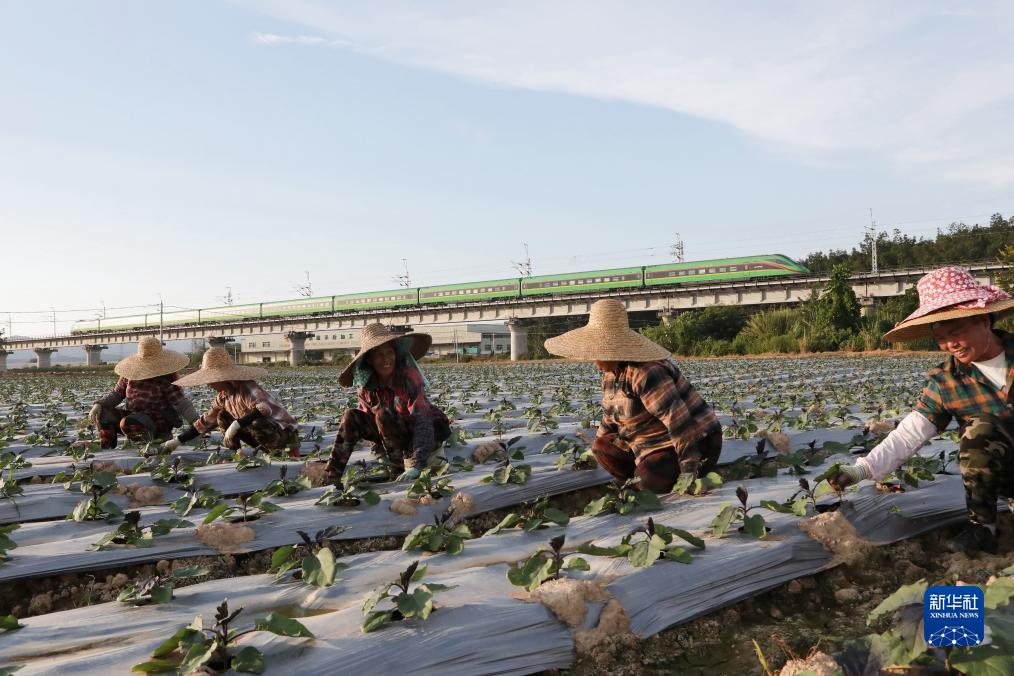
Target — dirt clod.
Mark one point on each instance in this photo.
(817, 664)
(403, 506)
(568, 599)
(225, 537)
(838, 536)
(484, 452)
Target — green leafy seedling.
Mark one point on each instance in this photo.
(545, 564)
(625, 498)
(728, 514)
(537, 514)
(646, 544)
(406, 602)
(217, 648)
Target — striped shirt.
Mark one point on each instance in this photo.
(958, 391)
(240, 402)
(651, 406)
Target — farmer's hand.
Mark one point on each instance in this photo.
(848, 475)
(170, 446)
(230, 433)
(95, 414)
(410, 474)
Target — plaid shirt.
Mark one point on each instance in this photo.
(405, 395)
(957, 391)
(151, 397)
(652, 406)
(242, 401)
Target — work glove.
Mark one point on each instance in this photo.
(230, 433)
(95, 414)
(410, 474)
(848, 475)
(170, 446)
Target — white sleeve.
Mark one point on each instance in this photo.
(902, 443)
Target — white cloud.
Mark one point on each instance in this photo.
(925, 86)
(272, 40)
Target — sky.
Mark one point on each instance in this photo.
(173, 150)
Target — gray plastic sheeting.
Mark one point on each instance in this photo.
(481, 627)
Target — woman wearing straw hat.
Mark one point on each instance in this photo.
(242, 410)
(393, 412)
(154, 406)
(972, 386)
(655, 425)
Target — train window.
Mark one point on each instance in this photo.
(722, 269)
(733, 268)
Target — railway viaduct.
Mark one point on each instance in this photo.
(665, 301)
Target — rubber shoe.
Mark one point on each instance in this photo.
(976, 538)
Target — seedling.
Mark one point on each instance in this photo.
(646, 544)
(443, 535)
(545, 564)
(406, 602)
(98, 506)
(248, 507)
(282, 487)
(9, 623)
(130, 532)
(158, 588)
(9, 464)
(173, 470)
(318, 568)
(432, 482)
(257, 459)
(510, 473)
(805, 492)
(86, 477)
(535, 516)
(728, 514)
(350, 493)
(6, 541)
(216, 648)
(206, 498)
(624, 499)
(689, 483)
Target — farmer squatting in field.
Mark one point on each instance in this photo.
(393, 412)
(242, 410)
(154, 405)
(972, 387)
(655, 425)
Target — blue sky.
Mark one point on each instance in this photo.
(178, 148)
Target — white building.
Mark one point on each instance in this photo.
(474, 339)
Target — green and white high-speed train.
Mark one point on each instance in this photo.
(719, 270)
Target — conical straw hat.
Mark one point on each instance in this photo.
(607, 337)
(150, 361)
(949, 293)
(217, 367)
(374, 335)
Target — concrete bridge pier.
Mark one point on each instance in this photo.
(93, 354)
(297, 340)
(667, 316)
(45, 355)
(3, 359)
(867, 305)
(519, 339)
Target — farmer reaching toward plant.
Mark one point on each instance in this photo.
(154, 406)
(242, 410)
(655, 425)
(393, 412)
(972, 386)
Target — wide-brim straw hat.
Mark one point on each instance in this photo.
(150, 361)
(216, 367)
(375, 335)
(945, 294)
(607, 337)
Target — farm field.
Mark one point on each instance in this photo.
(517, 556)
